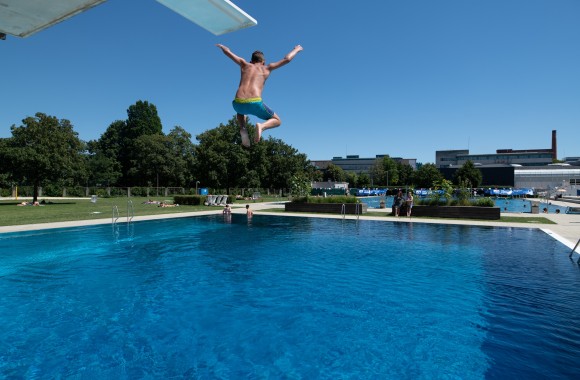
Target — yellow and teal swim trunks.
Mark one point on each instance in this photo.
(253, 106)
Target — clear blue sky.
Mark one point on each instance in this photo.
(404, 78)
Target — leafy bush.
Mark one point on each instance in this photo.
(102, 193)
(431, 201)
(52, 191)
(77, 191)
(138, 191)
(300, 186)
(463, 193)
(333, 199)
(442, 197)
(483, 202)
(118, 191)
(460, 202)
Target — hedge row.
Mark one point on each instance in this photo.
(333, 199)
(190, 200)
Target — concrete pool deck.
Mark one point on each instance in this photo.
(566, 228)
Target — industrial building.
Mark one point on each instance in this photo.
(522, 157)
(355, 164)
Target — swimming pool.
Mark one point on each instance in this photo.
(282, 297)
(505, 204)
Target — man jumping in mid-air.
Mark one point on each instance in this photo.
(248, 99)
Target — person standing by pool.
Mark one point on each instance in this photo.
(398, 202)
(409, 201)
(248, 100)
(249, 212)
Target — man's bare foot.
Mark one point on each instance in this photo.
(258, 132)
(245, 137)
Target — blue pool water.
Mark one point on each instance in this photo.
(282, 297)
(505, 204)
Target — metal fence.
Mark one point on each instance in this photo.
(87, 192)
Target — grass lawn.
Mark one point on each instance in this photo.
(61, 210)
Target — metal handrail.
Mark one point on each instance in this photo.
(343, 211)
(115, 210)
(572, 252)
(131, 210)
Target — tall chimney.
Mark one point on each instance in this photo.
(554, 145)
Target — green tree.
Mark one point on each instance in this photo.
(315, 174)
(5, 181)
(103, 168)
(384, 172)
(220, 158)
(152, 160)
(183, 153)
(352, 179)
(300, 185)
(142, 120)
(426, 175)
(282, 163)
(43, 150)
(221, 162)
(164, 160)
(364, 180)
(468, 175)
(334, 173)
(405, 172)
(110, 142)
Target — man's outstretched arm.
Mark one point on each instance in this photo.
(290, 56)
(231, 55)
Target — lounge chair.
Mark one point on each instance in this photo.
(210, 200)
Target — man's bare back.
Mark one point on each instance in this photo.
(249, 94)
(252, 80)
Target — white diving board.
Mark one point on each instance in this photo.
(22, 18)
(216, 16)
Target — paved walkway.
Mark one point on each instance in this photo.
(566, 230)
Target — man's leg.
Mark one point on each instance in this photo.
(270, 123)
(243, 130)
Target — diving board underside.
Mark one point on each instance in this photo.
(216, 16)
(22, 18)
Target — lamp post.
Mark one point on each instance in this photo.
(196, 183)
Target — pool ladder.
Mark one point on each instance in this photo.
(357, 210)
(130, 213)
(115, 212)
(572, 252)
